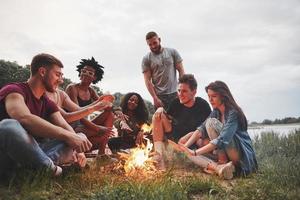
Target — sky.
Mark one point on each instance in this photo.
(252, 45)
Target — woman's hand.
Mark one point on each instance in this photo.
(139, 138)
(124, 126)
(106, 131)
(120, 115)
(102, 105)
(107, 98)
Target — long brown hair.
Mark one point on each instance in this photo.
(226, 97)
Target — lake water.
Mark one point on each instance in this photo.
(282, 129)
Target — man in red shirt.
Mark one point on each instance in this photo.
(32, 131)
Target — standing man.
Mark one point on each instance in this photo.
(33, 133)
(183, 115)
(159, 67)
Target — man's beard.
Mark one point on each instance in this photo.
(47, 84)
(157, 50)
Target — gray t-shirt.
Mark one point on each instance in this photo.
(163, 70)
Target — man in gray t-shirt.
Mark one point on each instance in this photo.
(159, 67)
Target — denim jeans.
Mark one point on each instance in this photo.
(18, 148)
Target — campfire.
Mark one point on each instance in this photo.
(138, 161)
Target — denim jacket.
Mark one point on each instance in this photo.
(233, 135)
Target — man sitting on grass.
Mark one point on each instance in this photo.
(185, 114)
(33, 133)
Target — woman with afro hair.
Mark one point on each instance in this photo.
(83, 95)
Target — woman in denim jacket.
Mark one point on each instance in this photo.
(224, 144)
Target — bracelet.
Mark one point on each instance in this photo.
(195, 154)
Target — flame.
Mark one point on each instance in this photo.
(146, 128)
(138, 161)
(138, 157)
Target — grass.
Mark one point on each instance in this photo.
(278, 178)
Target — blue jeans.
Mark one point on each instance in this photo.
(18, 148)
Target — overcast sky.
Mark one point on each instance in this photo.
(252, 45)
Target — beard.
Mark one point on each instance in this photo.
(156, 50)
(46, 83)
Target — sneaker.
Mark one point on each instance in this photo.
(57, 170)
(226, 170)
(160, 163)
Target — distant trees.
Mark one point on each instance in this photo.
(12, 72)
(287, 120)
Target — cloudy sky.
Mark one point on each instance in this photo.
(252, 45)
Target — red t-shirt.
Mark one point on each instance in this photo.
(42, 107)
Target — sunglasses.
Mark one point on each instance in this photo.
(87, 72)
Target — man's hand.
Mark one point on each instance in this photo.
(158, 113)
(79, 142)
(81, 159)
(185, 138)
(139, 138)
(157, 102)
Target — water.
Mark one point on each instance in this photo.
(282, 129)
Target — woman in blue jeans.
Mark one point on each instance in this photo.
(223, 141)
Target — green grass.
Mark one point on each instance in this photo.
(278, 178)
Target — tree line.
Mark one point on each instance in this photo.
(12, 72)
(286, 120)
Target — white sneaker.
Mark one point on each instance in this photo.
(57, 170)
(226, 170)
(160, 163)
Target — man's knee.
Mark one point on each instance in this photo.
(11, 128)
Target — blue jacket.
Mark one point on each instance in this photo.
(232, 135)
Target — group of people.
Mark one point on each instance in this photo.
(44, 127)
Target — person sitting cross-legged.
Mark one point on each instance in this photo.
(33, 133)
(226, 132)
(97, 134)
(82, 94)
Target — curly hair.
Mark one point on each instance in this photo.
(94, 64)
(141, 111)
